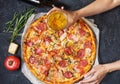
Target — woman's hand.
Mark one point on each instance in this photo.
(71, 15)
(89, 10)
(95, 75)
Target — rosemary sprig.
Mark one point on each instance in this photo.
(17, 23)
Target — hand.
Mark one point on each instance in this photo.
(95, 75)
(71, 15)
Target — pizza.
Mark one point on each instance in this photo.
(59, 57)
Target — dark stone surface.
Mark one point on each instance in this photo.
(108, 23)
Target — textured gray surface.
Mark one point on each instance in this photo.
(108, 22)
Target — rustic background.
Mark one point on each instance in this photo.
(108, 23)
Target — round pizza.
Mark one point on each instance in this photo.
(59, 57)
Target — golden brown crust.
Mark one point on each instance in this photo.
(27, 53)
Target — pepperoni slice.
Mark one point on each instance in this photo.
(83, 63)
(88, 44)
(62, 63)
(68, 50)
(82, 32)
(68, 74)
(81, 53)
(32, 59)
(38, 50)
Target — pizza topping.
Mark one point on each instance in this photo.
(29, 43)
(70, 37)
(73, 37)
(88, 44)
(57, 58)
(32, 59)
(46, 62)
(43, 69)
(82, 32)
(38, 50)
(68, 50)
(76, 68)
(88, 51)
(81, 53)
(62, 63)
(52, 52)
(40, 26)
(79, 69)
(47, 39)
(46, 72)
(62, 37)
(68, 74)
(83, 63)
(60, 32)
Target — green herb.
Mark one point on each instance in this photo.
(17, 23)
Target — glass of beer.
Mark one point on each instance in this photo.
(57, 20)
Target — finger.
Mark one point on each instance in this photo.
(91, 79)
(90, 73)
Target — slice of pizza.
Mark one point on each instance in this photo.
(59, 57)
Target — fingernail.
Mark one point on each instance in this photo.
(53, 5)
(62, 7)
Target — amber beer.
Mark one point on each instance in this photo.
(57, 20)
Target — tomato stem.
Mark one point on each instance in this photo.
(10, 63)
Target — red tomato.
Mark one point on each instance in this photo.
(12, 63)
